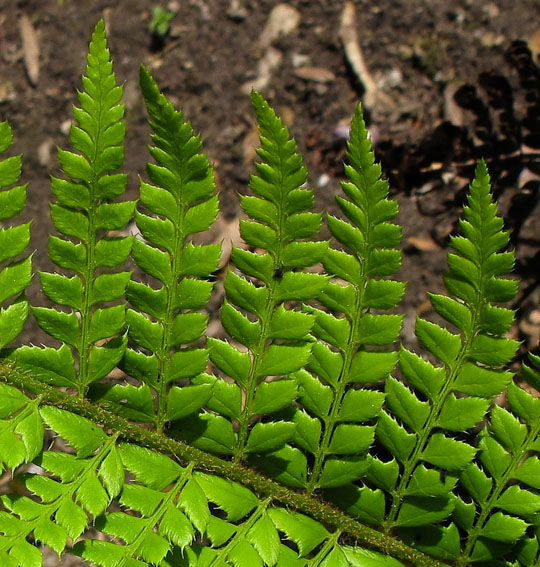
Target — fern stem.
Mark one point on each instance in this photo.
(257, 354)
(302, 502)
(348, 355)
(88, 277)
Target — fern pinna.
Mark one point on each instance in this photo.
(295, 441)
(276, 339)
(425, 440)
(182, 193)
(335, 438)
(15, 275)
(84, 212)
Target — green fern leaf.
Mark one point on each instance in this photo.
(55, 517)
(15, 276)
(419, 469)
(338, 426)
(84, 211)
(182, 192)
(277, 339)
(21, 428)
(423, 495)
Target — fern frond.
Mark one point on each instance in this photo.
(424, 435)
(84, 212)
(275, 340)
(15, 275)
(166, 320)
(329, 461)
(337, 422)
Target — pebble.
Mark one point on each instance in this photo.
(237, 11)
(391, 79)
(44, 152)
(65, 127)
(299, 60)
(534, 317)
(323, 181)
(7, 91)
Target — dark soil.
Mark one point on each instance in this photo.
(417, 51)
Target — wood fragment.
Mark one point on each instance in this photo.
(534, 42)
(282, 20)
(452, 111)
(423, 244)
(270, 61)
(347, 33)
(315, 74)
(30, 47)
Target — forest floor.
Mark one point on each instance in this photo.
(305, 62)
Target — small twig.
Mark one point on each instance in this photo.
(30, 49)
(347, 32)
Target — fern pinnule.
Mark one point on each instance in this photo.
(15, 275)
(84, 212)
(276, 338)
(430, 458)
(164, 322)
(338, 426)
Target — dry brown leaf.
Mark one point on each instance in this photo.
(249, 143)
(531, 331)
(424, 307)
(283, 19)
(316, 74)
(230, 236)
(423, 244)
(30, 49)
(534, 42)
(228, 233)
